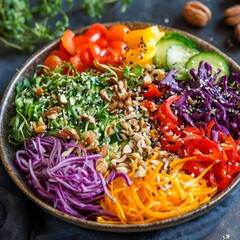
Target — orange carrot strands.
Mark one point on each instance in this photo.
(160, 194)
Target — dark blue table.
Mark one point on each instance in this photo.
(21, 219)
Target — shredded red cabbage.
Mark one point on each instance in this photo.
(206, 97)
(64, 174)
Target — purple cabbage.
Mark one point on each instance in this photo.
(206, 97)
(65, 175)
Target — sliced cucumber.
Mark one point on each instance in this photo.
(187, 41)
(214, 59)
(177, 57)
(161, 52)
(171, 38)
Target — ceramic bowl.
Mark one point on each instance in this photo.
(7, 150)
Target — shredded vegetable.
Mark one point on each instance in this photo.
(162, 193)
(64, 174)
(206, 97)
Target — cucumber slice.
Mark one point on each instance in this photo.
(187, 41)
(177, 57)
(161, 52)
(214, 59)
(170, 38)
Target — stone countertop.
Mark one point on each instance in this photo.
(166, 13)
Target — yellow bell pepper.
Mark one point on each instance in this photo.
(142, 45)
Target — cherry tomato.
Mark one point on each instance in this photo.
(52, 62)
(79, 41)
(117, 32)
(118, 46)
(77, 63)
(86, 56)
(95, 49)
(96, 31)
(63, 55)
(109, 56)
(68, 42)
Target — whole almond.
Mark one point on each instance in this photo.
(232, 15)
(196, 13)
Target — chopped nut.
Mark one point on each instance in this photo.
(40, 129)
(103, 150)
(120, 84)
(105, 96)
(101, 166)
(158, 74)
(113, 106)
(90, 138)
(39, 91)
(127, 149)
(91, 119)
(129, 116)
(68, 133)
(93, 148)
(63, 99)
(140, 172)
(52, 113)
(128, 101)
(147, 79)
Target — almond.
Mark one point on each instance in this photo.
(52, 110)
(196, 13)
(68, 134)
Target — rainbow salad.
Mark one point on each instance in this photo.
(128, 126)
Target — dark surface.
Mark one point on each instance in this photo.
(21, 219)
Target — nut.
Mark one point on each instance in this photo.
(39, 91)
(101, 166)
(52, 113)
(69, 133)
(196, 13)
(237, 33)
(232, 15)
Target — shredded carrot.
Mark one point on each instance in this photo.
(162, 193)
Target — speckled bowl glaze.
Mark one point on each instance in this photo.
(7, 150)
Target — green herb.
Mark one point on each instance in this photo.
(23, 24)
(133, 74)
(95, 8)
